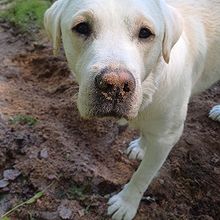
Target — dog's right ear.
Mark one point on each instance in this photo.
(52, 19)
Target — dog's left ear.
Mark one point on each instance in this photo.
(173, 30)
(52, 19)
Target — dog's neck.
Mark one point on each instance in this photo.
(164, 73)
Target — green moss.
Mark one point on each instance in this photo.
(76, 192)
(23, 119)
(26, 14)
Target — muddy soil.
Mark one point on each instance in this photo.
(82, 161)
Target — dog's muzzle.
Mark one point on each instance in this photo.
(114, 89)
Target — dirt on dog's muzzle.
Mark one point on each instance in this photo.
(113, 93)
(115, 84)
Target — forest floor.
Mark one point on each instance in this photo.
(46, 146)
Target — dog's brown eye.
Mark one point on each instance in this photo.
(145, 33)
(83, 29)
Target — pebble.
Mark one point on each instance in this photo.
(3, 183)
(64, 212)
(11, 174)
(44, 153)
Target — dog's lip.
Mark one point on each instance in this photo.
(111, 114)
(111, 110)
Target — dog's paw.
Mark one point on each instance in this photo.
(215, 113)
(120, 208)
(135, 151)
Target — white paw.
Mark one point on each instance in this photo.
(215, 113)
(135, 151)
(122, 209)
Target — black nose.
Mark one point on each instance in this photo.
(115, 82)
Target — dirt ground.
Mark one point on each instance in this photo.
(83, 162)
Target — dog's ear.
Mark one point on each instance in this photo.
(173, 30)
(52, 19)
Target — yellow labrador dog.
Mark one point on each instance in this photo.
(140, 60)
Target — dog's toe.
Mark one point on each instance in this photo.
(121, 209)
(215, 113)
(135, 151)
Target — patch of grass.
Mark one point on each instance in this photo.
(26, 14)
(23, 119)
(76, 192)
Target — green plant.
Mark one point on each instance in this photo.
(26, 14)
(76, 192)
(28, 202)
(23, 119)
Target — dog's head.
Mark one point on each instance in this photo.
(112, 47)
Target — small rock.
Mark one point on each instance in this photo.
(11, 174)
(64, 212)
(44, 153)
(3, 183)
(161, 181)
(148, 199)
(81, 213)
(52, 177)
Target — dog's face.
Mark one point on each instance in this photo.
(111, 47)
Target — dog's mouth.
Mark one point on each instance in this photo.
(105, 105)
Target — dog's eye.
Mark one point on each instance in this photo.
(83, 29)
(145, 33)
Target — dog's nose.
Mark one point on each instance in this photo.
(115, 82)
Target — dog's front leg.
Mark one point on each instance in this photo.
(123, 206)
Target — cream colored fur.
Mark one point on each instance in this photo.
(182, 60)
